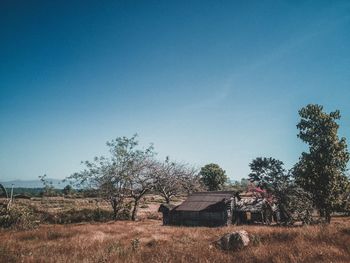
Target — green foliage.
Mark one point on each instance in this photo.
(321, 170)
(126, 173)
(296, 203)
(345, 204)
(213, 176)
(269, 174)
(293, 202)
(48, 189)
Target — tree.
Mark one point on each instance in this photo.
(191, 181)
(173, 178)
(292, 201)
(126, 173)
(213, 176)
(49, 189)
(321, 170)
(141, 179)
(269, 174)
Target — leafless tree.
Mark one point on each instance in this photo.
(191, 181)
(174, 178)
(140, 180)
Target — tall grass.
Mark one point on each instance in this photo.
(149, 241)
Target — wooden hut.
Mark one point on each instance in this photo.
(201, 209)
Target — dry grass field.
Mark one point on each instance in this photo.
(61, 210)
(148, 241)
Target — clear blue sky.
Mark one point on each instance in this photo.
(205, 81)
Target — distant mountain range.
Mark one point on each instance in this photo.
(33, 183)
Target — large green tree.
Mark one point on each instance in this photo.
(213, 176)
(321, 170)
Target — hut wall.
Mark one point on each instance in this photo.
(201, 218)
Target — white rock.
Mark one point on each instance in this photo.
(234, 241)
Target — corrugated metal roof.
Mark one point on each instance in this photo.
(250, 204)
(204, 200)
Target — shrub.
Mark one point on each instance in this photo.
(77, 216)
(153, 215)
(135, 244)
(18, 217)
(124, 213)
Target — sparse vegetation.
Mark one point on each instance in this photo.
(18, 217)
(131, 183)
(149, 241)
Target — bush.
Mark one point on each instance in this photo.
(124, 213)
(77, 216)
(18, 217)
(153, 215)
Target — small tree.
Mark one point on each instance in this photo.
(321, 170)
(126, 173)
(48, 189)
(213, 176)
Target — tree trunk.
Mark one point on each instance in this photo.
(115, 208)
(135, 209)
(328, 217)
(167, 199)
(322, 213)
(285, 216)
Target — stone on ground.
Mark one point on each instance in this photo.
(234, 241)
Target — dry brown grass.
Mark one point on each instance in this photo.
(149, 241)
(61, 210)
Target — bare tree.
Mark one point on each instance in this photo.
(170, 178)
(191, 180)
(140, 180)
